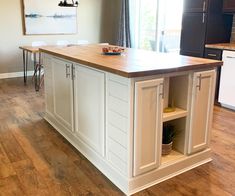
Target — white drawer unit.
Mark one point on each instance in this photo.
(227, 80)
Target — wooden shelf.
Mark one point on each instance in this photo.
(178, 113)
(174, 155)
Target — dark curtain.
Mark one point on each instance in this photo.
(124, 37)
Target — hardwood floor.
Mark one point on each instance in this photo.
(36, 160)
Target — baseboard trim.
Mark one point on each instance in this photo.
(15, 74)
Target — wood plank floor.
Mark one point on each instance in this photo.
(36, 160)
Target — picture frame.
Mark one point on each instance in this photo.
(43, 17)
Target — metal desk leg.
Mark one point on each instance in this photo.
(25, 65)
(39, 69)
(35, 71)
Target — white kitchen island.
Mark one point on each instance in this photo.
(110, 108)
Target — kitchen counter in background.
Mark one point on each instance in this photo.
(222, 46)
(225, 85)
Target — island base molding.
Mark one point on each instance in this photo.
(168, 172)
(140, 183)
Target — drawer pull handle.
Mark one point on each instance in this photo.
(162, 93)
(200, 82)
(67, 71)
(203, 18)
(230, 57)
(214, 55)
(204, 6)
(73, 72)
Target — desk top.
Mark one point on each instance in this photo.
(132, 63)
(31, 49)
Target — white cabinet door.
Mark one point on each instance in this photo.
(48, 81)
(201, 110)
(227, 82)
(89, 99)
(148, 125)
(63, 93)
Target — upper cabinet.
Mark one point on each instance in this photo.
(203, 23)
(195, 5)
(229, 6)
(194, 24)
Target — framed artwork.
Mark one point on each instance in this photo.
(46, 17)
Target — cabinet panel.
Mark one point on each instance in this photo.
(148, 125)
(63, 93)
(229, 6)
(195, 5)
(218, 28)
(227, 82)
(203, 23)
(201, 110)
(89, 98)
(217, 55)
(193, 39)
(48, 81)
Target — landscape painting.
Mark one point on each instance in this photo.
(46, 17)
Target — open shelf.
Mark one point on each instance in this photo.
(178, 147)
(178, 113)
(176, 90)
(174, 155)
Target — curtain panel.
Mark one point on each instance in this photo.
(124, 35)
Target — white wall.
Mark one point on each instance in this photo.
(97, 22)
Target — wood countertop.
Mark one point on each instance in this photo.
(222, 46)
(132, 63)
(31, 49)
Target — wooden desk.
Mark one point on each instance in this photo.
(34, 51)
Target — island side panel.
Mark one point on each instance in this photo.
(118, 123)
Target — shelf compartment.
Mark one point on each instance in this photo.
(173, 156)
(178, 113)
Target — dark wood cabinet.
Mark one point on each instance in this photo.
(216, 54)
(229, 6)
(211, 53)
(195, 5)
(200, 27)
(191, 35)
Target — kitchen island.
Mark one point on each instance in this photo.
(111, 109)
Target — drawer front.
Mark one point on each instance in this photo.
(213, 54)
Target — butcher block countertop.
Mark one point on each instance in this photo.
(132, 63)
(222, 46)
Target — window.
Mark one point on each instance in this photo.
(156, 24)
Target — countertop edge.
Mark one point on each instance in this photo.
(138, 73)
(222, 46)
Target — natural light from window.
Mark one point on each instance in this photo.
(156, 24)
